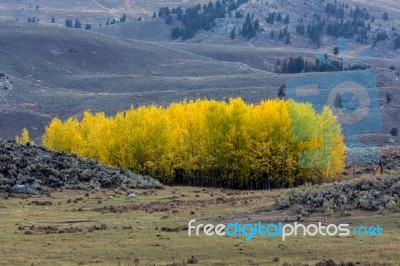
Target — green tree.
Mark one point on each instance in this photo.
(176, 33)
(338, 101)
(123, 18)
(279, 18)
(233, 33)
(169, 20)
(78, 24)
(397, 43)
(287, 19)
(386, 16)
(288, 38)
(336, 50)
(389, 97)
(282, 91)
(68, 23)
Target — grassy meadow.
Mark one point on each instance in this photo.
(104, 227)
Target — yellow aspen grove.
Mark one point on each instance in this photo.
(54, 137)
(273, 144)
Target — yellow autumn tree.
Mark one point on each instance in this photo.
(273, 144)
(24, 137)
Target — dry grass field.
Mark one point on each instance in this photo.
(105, 228)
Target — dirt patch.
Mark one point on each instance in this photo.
(174, 205)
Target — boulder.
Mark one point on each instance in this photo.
(24, 189)
(131, 195)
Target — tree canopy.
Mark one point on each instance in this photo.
(274, 144)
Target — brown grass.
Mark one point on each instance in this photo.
(57, 233)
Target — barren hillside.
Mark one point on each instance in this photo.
(89, 11)
(55, 71)
(62, 72)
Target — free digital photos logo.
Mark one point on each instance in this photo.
(281, 230)
(353, 97)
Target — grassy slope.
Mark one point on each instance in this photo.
(150, 244)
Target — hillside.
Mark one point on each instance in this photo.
(62, 72)
(38, 167)
(139, 30)
(94, 12)
(365, 21)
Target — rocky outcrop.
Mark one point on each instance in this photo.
(38, 167)
(5, 83)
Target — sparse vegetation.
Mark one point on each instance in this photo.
(200, 17)
(365, 194)
(250, 27)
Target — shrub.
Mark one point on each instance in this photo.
(365, 194)
(394, 131)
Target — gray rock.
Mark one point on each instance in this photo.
(131, 195)
(43, 158)
(5, 83)
(24, 189)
